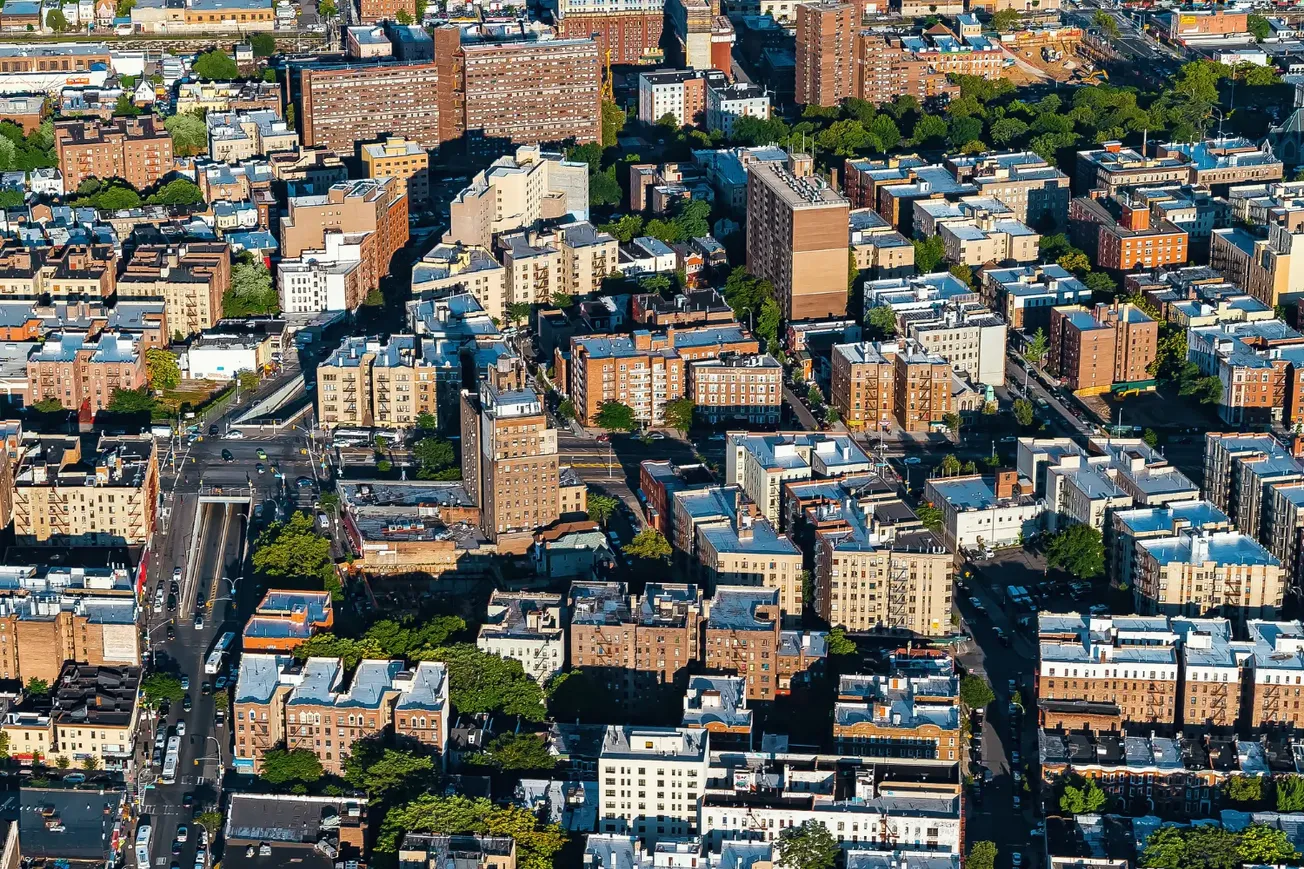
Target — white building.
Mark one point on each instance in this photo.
(725, 105)
(652, 779)
(979, 511)
(527, 628)
(646, 256)
(319, 280)
(677, 92)
(221, 357)
(761, 463)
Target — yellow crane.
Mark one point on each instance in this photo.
(608, 85)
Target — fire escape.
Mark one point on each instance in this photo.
(898, 593)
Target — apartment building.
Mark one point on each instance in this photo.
(190, 279)
(531, 91)
(333, 282)
(748, 389)
(1127, 527)
(1144, 473)
(744, 636)
(879, 250)
(588, 257)
(242, 135)
(509, 455)
(223, 96)
(82, 374)
(644, 370)
(1036, 192)
(93, 716)
(679, 93)
(632, 646)
(912, 713)
(1211, 674)
(284, 619)
(418, 101)
(979, 512)
(651, 780)
(449, 269)
(877, 568)
(526, 627)
(278, 702)
(1199, 572)
(1275, 675)
(1094, 350)
(63, 272)
(797, 238)
(1024, 297)
(631, 31)
(1269, 263)
(1259, 365)
(718, 704)
(308, 170)
(1112, 167)
(1119, 234)
(886, 66)
(533, 266)
(741, 548)
(137, 150)
(515, 193)
(1216, 164)
(1281, 527)
(376, 207)
(726, 103)
(404, 160)
(1090, 669)
(365, 383)
(826, 52)
(659, 481)
(1240, 470)
(49, 615)
(761, 463)
(106, 497)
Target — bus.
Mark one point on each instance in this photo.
(214, 662)
(143, 833)
(170, 760)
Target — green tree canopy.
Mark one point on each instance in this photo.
(38, 687)
(516, 752)
(384, 772)
(601, 507)
(1037, 348)
(401, 639)
(615, 416)
(350, 651)
(132, 401)
(1078, 549)
(1244, 790)
(251, 293)
(536, 843)
(1080, 796)
(436, 459)
(649, 544)
(162, 368)
(840, 644)
(159, 687)
(189, 134)
(809, 846)
(982, 855)
(298, 765)
(1290, 793)
(882, 320)
(479, 682)
(293, 553)
(975, 692)
(679, 414)
(929, 254)
(1023, 412)
(215, 65)
(263, 44)
(181, 191)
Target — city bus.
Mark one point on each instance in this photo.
(143, 833)
(214, 663)
(170, 760)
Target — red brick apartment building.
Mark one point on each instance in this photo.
(826, 52)
(1120, 237)
(137, 150)
(374, 206)
(1093, 350)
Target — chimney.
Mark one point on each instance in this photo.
(1005, 484)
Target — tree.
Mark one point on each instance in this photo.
(1005, 20)
(215, 65)
(1037, 348)
(929, 253)
(601, 508)
(1007, 129)
(950, 465)
(124, 8)
(1151, 438)
(1290, 793)
(403, 17)
(263, 44)
(679, 414)
(566, 410)
(536, 843)
(382, 772)
(1076, 261)
(1100, 284)
(616, 416)
(159, 687)
(434, 456)
(327, 9)
(162, 369)
(38, 687)
(929, 130)
(63, 761)
(516, 752)
(1078, 549)
(210, 821)
(221, 700)
(518, 312)
(189, 134)
(814, 396)
(882, 319)
(626, 229)
(1106, 22)
(350, 652)
(1023, 412)
(56, 21)
(649, 543)
(1245, 790)
(954, 422)
(840, 644)
(982, 855)
(298, 765)
(90, 763)
(479, 682)
(181, 191)
(1259, 27)
(613, 121)
(294, 554)
(131, 401)
(1079, 796)
(931, 517)
(562, 300)
(403, 639)
(1262, 845)
(48, 405)
(975, 693)
(251, 293)
(809, 846)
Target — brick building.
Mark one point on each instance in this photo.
(365, 383)
(632, 36)
(748, 389)
(190, 279)
(1092, 350)
(1120, 237)
(82, 374)
(137, 150)
(376, 207)
(406, 161)
(283, 620)
(63, 272)
(744, 635)
(826, 52)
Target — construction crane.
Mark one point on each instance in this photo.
(608, 85)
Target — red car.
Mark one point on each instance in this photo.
(604, 438)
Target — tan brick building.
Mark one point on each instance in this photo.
(81, 374)
(137, 150)
(1123, 668)
(406, 161)
(630, 645)
(742, 548)
(1275, 672)
(509, 455)
(748, 389)
(377, 207)
(366, 383)
(912, 713)
(744, 636)
(877, 384)
(70, 271)
(826, 52)
(59, 503)
(189, 278)
(94, 715)
(1197, 572)
(1211, 674)
(797, 238)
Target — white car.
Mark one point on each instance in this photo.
(235, 435)
(181, 728)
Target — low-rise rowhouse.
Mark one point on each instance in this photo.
(982, 511)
